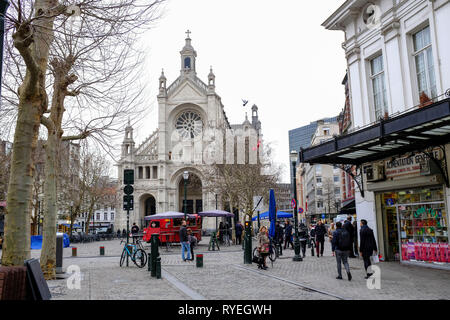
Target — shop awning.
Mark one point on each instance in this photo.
(409, 132)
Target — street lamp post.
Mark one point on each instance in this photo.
(4, 4)
(185, 177)
(293, 158)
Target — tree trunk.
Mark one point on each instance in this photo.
(34, 49)
(48, 253)
(16, 247)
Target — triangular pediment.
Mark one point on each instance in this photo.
(187, 89)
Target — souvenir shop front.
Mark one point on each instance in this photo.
(400, 167)
(413, 225)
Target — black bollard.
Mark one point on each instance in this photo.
(158, 268)
(154, 253)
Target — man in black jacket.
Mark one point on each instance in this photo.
(303, 237)
(279, 237)
(288, 235)
(349, 227)
(184, 240)
(341, 245)
(368, 245)
(320, 232)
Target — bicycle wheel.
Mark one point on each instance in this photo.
(123, 257)
(272, 256)
(140, 258)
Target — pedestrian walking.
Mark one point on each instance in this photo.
(239, 228)
(184, 240)
(341, 245)
(368, 245)
(124, 233)
(303, 237)
(279, 237)
(355, 239)
(288, 235)
(320, 231)
(263, 247)
(312, 240)
(118, 234)
(221, 232)
(192, 242)
(330, 231)
(349, 227)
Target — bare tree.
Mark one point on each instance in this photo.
(93, 61)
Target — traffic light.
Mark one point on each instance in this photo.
(128, 202)
(128, 176)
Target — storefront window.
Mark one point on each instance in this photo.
(423, 224)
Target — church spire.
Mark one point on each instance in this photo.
(162, 84)
(188, 56)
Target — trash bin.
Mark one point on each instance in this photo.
(74, 251)
(199, 260)
(59, 252)
(102, 251)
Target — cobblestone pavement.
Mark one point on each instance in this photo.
(224, 276)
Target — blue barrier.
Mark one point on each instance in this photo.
(36, 242)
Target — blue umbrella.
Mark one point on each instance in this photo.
(272, 213)
(280, 215)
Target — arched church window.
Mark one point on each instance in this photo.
(189, 124)
(187, 63)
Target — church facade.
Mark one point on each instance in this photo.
(188, 110)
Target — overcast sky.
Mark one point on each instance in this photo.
(275, 54)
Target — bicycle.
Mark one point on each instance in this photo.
(137, 255)
(272, 256)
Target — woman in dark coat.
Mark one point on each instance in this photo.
(368, 245)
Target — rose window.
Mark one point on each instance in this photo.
(189, 124)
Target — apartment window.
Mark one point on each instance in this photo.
(105, 216)
(423, 58)
(112, 216)
(98, 216)
(318, 168)
(326, 131)
(336, 179)
(337, 190)
(319, 204)
(378, 87)
(319, 192)
(319, 179)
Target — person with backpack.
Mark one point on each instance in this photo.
(349, 227)
(320, 231)
(303, 237)
(192, 242)
(341, 246)
(368, 245)
(288, 235)
(312, 240)
(279, 237)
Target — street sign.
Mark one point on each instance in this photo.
(128, 189)
(294, 204)
(128, 176)
(323, 216)
(300, 210)
(128, 202)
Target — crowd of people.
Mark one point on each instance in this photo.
(342, 236)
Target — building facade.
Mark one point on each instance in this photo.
(190, 114)
(398, 57)
(321, 183)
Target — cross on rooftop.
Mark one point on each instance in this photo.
(188, 33)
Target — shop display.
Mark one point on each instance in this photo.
(422, 223)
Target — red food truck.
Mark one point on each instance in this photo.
(168, 228)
